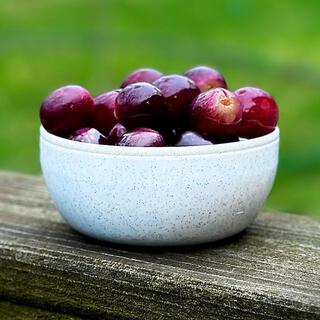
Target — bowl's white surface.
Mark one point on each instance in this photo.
(159, 196)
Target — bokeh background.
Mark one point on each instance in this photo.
(271, 44)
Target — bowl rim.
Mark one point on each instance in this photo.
(160, 151)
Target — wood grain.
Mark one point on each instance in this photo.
(12, 311)
(270, 271)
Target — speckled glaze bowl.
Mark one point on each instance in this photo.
(159, 196)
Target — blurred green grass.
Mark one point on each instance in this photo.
(270, 44)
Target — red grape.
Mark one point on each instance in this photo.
(179, 91)
(140, 105)
(104, 106)
(88, 135)
(142, 137)
(170, 135)
(206, 78)
(260, 112)
(116, 134)
(190, 138)
(67, 109)
(216, 114)
(141, 75)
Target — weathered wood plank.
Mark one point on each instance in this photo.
(271, 271)
(12, 311)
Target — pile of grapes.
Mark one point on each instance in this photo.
(154, 110)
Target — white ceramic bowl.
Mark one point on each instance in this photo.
(159, 196)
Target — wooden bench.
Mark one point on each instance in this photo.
(48, 271)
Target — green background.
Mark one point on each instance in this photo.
(274, 45)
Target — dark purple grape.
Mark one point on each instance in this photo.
(104, 105)
(216, 114)
(140, 105)
(116, 134)
(141, 75)
(206, 78)
(88, 135)
(67, 109)
(142, 137)
(170, 135)
(190, 138)
(179, 91)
